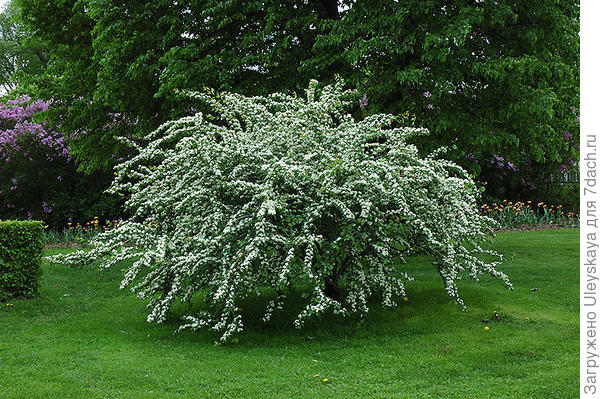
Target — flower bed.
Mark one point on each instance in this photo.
(518, 215)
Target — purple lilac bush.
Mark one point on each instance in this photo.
(38, 177)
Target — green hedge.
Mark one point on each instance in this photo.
(21, 244)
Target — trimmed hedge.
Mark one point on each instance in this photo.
(21, 244)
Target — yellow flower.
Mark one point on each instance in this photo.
(240, 309)
(405, 299)
(325, 379)
(316, 375)
(527, 318)
(486, 328)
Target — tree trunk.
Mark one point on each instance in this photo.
(332, 290)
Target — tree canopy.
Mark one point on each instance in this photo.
(20, 53)
(495, 81)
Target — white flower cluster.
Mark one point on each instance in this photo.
(281, 190)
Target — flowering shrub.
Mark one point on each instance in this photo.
(16, 123)
(277, 191)
(38, 178)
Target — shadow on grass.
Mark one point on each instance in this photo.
(379, 324)
(102, 308)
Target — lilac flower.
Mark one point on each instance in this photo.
(493, 132)
(511, 166)
(363, 102)
(59, 178)
(470, 156)
(46, 208)
(430, 106)
(567, 135)
(16, 125)
(427, 94)
(563, 168)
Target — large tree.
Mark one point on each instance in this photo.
(495, 81)
(129, 60)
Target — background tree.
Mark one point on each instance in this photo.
(130, 59)
(493, 81)
(20, 53)
(496, 81)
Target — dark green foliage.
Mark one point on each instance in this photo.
(490, 79)
(75, 197)
(21, 244)
(116, 68)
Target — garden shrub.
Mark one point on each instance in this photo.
(38, 177)
(21, 245)
(280, 191)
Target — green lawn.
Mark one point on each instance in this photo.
(83, 338)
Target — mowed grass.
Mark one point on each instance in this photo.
(84, 338)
